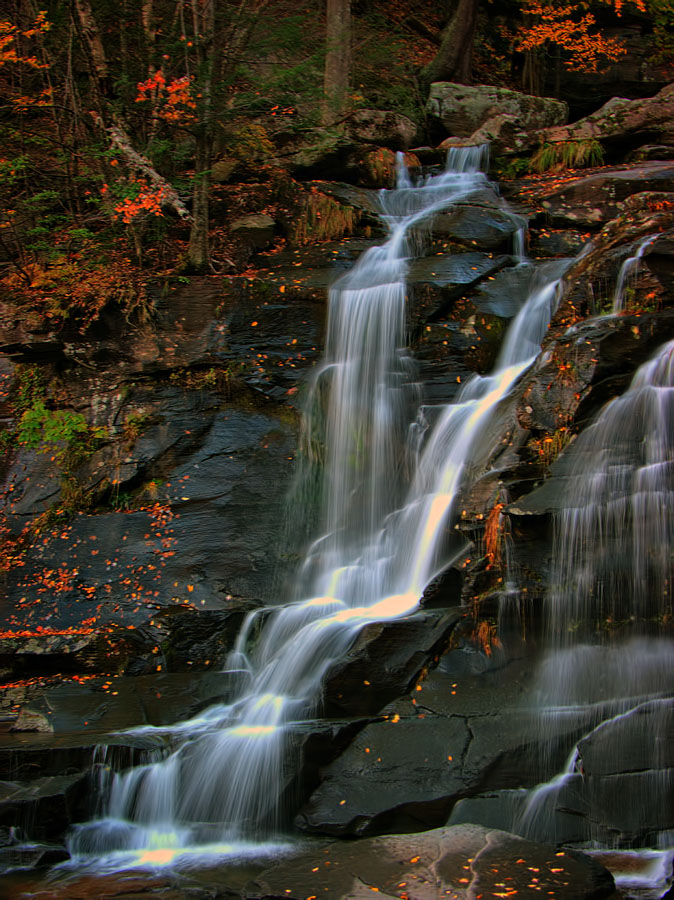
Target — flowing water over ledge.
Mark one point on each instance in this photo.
(609, 659)
(389, 485)
(388, 470)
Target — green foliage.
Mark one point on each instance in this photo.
(12, 171)
(507, 168)
(662, 15)
(29, 388)
(135, 423)
(295, 77)
(64, 433)
(567, 155)
(382, 74)
(250, 143)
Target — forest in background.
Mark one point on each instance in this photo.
(121, 124)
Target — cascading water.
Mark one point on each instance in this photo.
(614, 534)
(382, 540)
(609, 664)
(629, 270)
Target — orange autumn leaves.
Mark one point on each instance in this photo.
(147, 201)
(14, 42)
(570, 27)
(11, 36)
(172, 99)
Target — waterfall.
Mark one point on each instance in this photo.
(629, 268)
(612, 544)
(610, 592)
(388, 488)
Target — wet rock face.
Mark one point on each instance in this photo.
(47, 806)
(463, 862)
(457, 734)
(384, 660)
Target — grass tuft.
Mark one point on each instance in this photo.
(567, 155)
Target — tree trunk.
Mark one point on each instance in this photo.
(454, 59)
(337, 60)
(93, 45)
(210, 43)
(199, 251)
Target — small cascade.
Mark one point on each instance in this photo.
(610, 665)
(575, 790)
(612, 541)
(628, 270)
(536, 820)
(520, 244)
(639, 874)
(388, 486)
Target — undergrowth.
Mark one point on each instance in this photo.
(323, 219)
(567, 155)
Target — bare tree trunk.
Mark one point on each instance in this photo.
(210, 45)
(199, 251)
(337, 60)
(93, 45)
(454, 59)
(135, 160)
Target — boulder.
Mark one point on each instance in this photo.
(32, 720)
(382, 127)
(503, 132)
(462, 109)
(648, 152)
(620, 118)
(256, 230)
(222, 170)
(322, 153)
(479, 226)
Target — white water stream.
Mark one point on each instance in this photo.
(610, 595)
(390, 483)
(629, 269)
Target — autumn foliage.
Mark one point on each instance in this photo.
(11, 36)
(172, 99)
(573, 28)
(145, 200)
